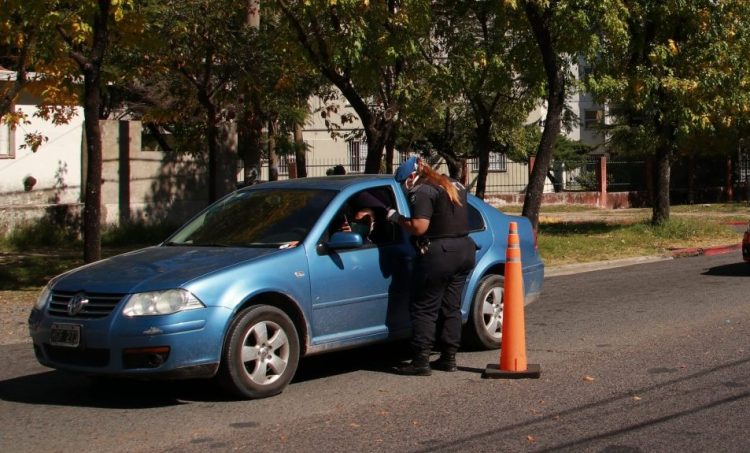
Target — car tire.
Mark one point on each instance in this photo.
(484, 329)
(261, 353)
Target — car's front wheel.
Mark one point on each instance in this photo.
(261, 353)
(485, 327)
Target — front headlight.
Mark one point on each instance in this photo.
(43, 298)
(160, 303)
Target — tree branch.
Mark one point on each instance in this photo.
(8, 97)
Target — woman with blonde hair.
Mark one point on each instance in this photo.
(439, 225)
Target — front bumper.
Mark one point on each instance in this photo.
(186, 344)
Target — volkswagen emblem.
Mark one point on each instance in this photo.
(76, 304)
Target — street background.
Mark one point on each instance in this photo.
(648, 357)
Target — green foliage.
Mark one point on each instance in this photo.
(677, 81)
(572, 153)
(47, 233)
(688, 72)
(588, 180)
(136, 234)
(372, 53)
(32, 270)
(40, 234)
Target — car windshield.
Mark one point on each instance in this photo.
(256, 218)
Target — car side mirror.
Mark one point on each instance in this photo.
(344, 240)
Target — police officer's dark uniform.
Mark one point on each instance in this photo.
(445, 256)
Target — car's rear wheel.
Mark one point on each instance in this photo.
(484, 329)
(261, 353)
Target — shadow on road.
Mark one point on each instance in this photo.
(64, 389)
(61, 388)
(740, 269)
(377, 358)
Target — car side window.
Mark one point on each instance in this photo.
(364, 213)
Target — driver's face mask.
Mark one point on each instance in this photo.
(363, 228)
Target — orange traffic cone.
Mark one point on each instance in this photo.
(513, 347)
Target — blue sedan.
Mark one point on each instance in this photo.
(261, 278)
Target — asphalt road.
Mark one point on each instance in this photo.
(651, 357)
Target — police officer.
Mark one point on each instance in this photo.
(439, 224)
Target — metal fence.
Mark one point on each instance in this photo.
(504, 176)
(507, 177)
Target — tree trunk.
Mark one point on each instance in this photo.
(483, 143)
(390, 147)
(665, 152)
(250, 137)
(91, 69)
(249, 126)
(376, 140)
(455, 166)
(212, 132)
(445, 150)
(540, 21)
(92, 236)
(300, 158)
(662, 176)
(227, 172)
(273, 160)
(9, 97)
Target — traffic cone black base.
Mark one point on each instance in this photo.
(493, 371)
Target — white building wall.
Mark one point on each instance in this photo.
(56, 165)
(321, 145)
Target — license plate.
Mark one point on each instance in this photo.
(66, 335)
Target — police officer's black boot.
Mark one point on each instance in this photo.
(420, 366)
(446, 362)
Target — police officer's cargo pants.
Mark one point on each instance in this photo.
(440, 276)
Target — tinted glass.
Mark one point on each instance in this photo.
(476, 221)
(256, 218)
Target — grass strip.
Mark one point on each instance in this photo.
(579, 242)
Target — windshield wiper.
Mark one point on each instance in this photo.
(194, 244)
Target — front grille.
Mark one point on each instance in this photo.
(79, 357)
(98, 305)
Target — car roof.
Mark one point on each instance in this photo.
(337, 182)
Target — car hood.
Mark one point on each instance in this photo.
(154, 268)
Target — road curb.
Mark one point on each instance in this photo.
(706, 251)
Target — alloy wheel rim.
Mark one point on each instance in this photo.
(492, 312)
(265, 352)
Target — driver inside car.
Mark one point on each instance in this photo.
(363, 223)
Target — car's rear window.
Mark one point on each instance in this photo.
(476, 221)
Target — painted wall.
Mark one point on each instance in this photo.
(145, 185)
(56, 165)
